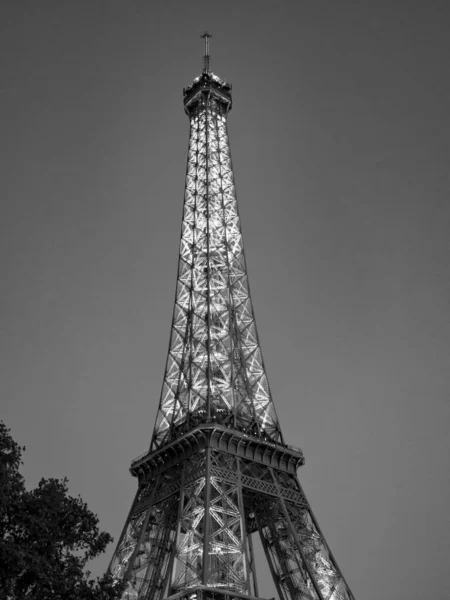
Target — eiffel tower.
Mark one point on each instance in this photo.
(218, 469)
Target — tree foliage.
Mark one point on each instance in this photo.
(46, 537)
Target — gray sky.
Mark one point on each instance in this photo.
(340, 141)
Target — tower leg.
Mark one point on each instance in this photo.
(296, 549)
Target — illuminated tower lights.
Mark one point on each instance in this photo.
(218, 469)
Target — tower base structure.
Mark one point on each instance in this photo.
(200, 500)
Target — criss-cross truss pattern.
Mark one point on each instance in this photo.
(214, 366)
(225, 536)
(218, 470)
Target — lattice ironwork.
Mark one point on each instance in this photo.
(214, 367)
(218, 470)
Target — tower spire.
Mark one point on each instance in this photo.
(206, 58)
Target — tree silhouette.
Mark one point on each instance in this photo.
(46, 537)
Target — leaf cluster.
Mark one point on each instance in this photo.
(47, 537)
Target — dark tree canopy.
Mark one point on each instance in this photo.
(46, 537)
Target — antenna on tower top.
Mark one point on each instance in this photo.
(206, 37)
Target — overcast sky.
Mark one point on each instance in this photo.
(340, 142)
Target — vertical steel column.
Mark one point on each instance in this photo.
(207, 517)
